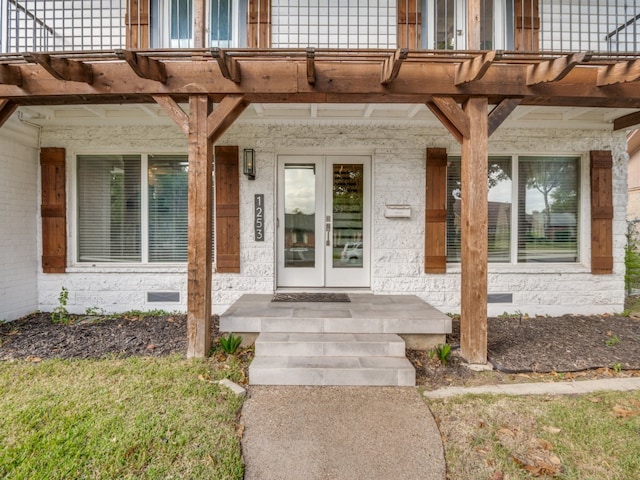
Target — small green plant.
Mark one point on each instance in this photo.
(614, 340)
(617, 367)
(632, 259)
(442, 352)
(60, 314)
(141, 314)
(94, 311)
(230, 344)
(455, 316)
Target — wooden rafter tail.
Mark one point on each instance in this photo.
(556, 69)
(475, 68)
(144, 66)
(177, 114)
(7, 107)
(392, 64)
(500, 113)
(311, 66)
(451, 116)
(62, 68)
(10, 75)
(229, 66)
(627, 121)
(621, 72)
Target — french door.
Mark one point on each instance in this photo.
(323, 224)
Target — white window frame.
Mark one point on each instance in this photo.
(583, 212)
(162, 32)
(74, 210)
(460, 24)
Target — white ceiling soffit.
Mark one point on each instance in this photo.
(370, 113)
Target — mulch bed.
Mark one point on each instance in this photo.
(567, 344)
(36, 337)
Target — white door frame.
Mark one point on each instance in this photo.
(323, 273)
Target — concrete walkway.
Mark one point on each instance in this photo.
(340, 433)
(371, 433)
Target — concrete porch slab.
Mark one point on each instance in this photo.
(366, 313)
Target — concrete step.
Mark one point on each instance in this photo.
(330, 344)
(323, 370)
(304, 324)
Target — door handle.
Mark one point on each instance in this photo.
(327, 234)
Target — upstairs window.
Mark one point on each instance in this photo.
(446, 25)
(172, 23)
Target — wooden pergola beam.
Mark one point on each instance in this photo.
(311, 66)
(175, 112)
(339, 82)
(626, 121)
(144, 66)
(474, 69)
(7, 107)
(229, 66)
(10, 75)
(451, 116)
(500, 113)
(391, 65)
(62, 68)
(621, 72)
(556, 69)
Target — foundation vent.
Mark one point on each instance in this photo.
(163, 297)
(500, 298)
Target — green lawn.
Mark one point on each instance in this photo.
(586, 437)
(118, 418)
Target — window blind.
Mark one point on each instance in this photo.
(168, 209)
(109, 208)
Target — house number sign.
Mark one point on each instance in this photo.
(258, 224)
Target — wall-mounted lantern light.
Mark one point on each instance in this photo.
(249, 163)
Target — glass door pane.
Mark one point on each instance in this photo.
(348, 215)
(299, 215)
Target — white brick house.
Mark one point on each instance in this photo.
(344, 141)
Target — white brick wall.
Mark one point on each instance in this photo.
(397, 251)
(18, 219)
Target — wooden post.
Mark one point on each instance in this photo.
(473, 24)
(199, 24)
(199, 261)
(474, 254)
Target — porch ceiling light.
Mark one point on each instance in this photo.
(249, 163)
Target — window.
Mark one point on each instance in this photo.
(125, 215)
(546, 193)
(172, 23)
(447, 28)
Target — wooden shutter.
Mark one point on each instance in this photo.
(527, 25)
(137, 24)
(409, 24)
(601, 212)
(53, 210)
(259, 24)
(227, 186)
(435, 230)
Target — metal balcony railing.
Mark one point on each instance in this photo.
(547, 25)
(55, 25)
